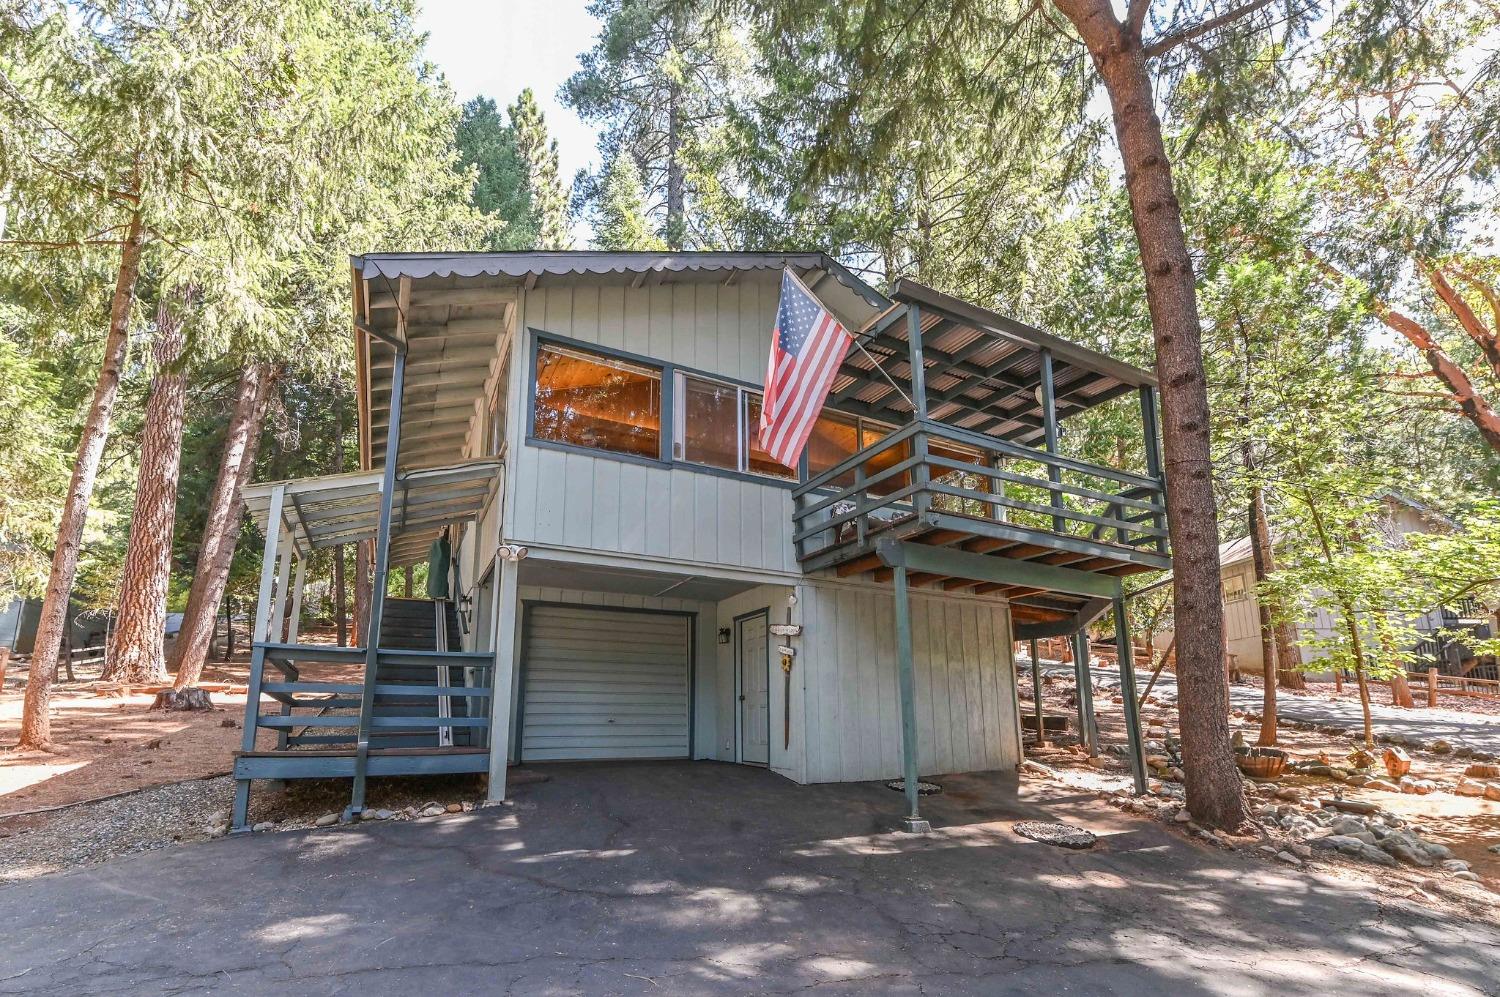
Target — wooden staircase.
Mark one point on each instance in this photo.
(427, 711)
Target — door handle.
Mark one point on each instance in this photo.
(742, 698)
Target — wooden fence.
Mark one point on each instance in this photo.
(1454, 685)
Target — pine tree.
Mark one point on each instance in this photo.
(488, 144)
(658, 81)
(620, 219)
(537, 151)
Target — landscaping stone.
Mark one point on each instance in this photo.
(1389, 787)
(1468, 787)
(1492, 791)
(1440, 746)
(1061, 835)
(264, 825)
(327, 820)
(1289, 858)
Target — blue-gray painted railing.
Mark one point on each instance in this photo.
(928, 465)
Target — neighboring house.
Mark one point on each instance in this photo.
(1400, 516)
(626, 562)
(19, 618)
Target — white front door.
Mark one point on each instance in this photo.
(755, 690)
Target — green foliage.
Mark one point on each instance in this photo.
(659, 81)
(620, 220)
(537, 152)
(34, 467)
(487, 144)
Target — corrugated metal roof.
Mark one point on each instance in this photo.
(344, 508)
(525, 264)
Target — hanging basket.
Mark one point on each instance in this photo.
(1261, 763)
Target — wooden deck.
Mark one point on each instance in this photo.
(964, 494)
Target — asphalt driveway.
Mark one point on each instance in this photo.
(690, 878)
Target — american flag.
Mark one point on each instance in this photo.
(807, 346)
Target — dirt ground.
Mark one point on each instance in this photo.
(1467, 825)
(108, 743)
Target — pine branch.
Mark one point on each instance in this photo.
(1166, 43)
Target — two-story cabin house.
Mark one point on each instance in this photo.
(633, 578)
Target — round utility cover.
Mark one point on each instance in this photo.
(1061, 835)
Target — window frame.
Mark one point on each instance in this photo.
(671, 418)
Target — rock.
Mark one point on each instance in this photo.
(1358, 780)
(327, 820)
(1436, 851)
(1495, 849)
(1182, 816)
(1468, 787)
(229, 723)
(454, 808)
(264, 825)
(1425, 786)
(1288, 793)
(466, 806)
(1368, 837)
(1463, 751)
(1034, 768)
(1158, 761)
(1098, 762)
(1389, 787)
(383, 814)
(1455, 865)
(1348, 825)
(1406, 847)
(1466, 876)
(1409, 785)
(1061, 835)
(434, 810)
(1289, 858)
(1301, 851)
(1492, 791)
(1440, 747)
(218, 830)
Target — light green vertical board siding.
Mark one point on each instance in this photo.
(587, 503)
(966, 719)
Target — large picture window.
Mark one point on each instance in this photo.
(589, 400)
(717, 426)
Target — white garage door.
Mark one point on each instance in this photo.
(604, 684)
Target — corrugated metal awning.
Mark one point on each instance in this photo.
(344, 508)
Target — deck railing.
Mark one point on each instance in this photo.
(929, 472)
(319, 685)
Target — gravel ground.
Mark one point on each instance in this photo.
(90, 833)
(162, 816)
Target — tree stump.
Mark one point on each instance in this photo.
(182, 700)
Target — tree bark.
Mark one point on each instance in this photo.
(135, 652)
(676, 207)
(340, 596)
(1288, 654)
(221, 527)
(361, 593)
(1215, 792)
(1260, 540)
(36, 718)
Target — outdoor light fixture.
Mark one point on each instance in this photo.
(512, 552)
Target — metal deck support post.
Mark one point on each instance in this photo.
(238, 821)
(921, 499)
(1153, 456)
(382, 557)
(912, 822)
(1049, 426)
(1129, 694)
(1036, 691)
(1087, 730)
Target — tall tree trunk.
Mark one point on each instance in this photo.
(36, 717)
(1288, 654)
(676, 215)
(135, 652)
(340, 596)
(1215, 792)
(221, 527)
(1260, 540)
(362, 593)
